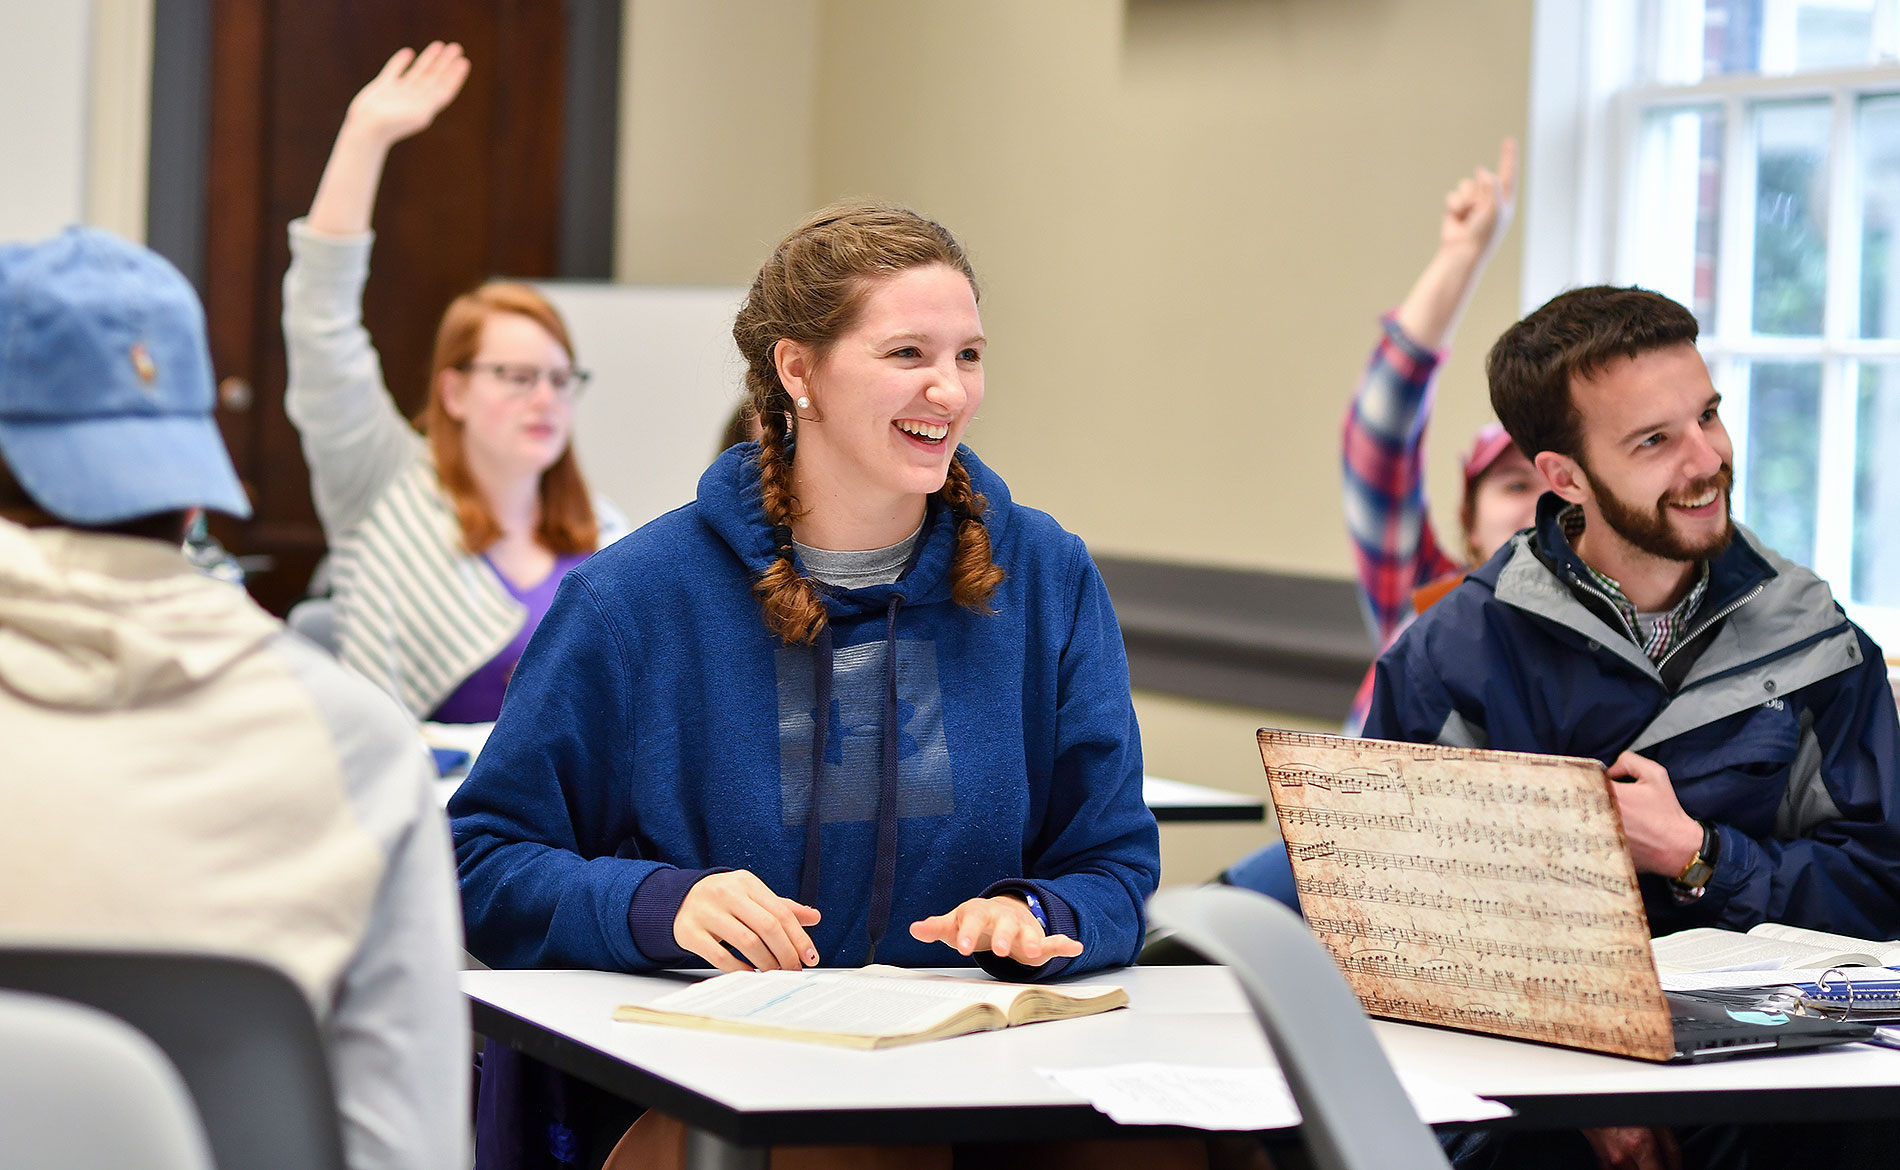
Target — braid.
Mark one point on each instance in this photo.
(793, 610)
(973, 575)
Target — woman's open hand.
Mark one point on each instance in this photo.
(407, 95)
(1002, 925)
(737, 909)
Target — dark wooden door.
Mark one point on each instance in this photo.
(478, 194)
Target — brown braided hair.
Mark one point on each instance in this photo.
(809, 291)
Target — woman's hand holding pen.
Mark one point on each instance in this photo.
(1003, 925)
(739, 911)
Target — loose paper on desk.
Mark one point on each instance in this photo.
(1484, 890)
(1214, 1097)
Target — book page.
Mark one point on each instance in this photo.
(879, 1001)
(1887, 952)
(811, 1001)
(1707, 948)
(1489, 891)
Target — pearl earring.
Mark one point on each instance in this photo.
(804, 403)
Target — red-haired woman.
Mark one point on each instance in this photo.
(448, 546)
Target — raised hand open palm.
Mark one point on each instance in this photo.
(410, 91)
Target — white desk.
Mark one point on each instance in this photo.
(1173, 802)
(753, 1093)
(1561, 1087)
(759, 1092)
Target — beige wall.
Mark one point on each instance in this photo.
(1187, 214)
(716, 154)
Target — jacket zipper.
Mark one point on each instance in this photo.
(1726, 610)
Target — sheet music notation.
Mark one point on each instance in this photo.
(1474, 893)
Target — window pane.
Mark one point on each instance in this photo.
(1715, 37)
(1790, 217)
(1879, 139)
(1784, 437)
(1678, 215)
(1877, 486)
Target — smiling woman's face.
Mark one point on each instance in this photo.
(893, 395)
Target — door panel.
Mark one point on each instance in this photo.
(476, 195)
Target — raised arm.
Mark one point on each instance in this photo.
(1386, 509)
(1477, 213)
(402, 101)
(354, 439)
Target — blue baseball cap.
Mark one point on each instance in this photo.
(105, 383)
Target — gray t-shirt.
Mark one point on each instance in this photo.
(855, 570)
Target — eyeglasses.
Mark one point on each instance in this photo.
(520, 379)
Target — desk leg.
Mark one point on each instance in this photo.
(705, 1151)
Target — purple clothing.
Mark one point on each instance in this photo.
(478, 699)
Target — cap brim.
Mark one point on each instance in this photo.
(1488, 450)
(109, 470)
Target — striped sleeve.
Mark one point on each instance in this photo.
(418, 615)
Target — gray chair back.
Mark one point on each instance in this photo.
(241, 1034)
(80, 1089)
(1354, 1114)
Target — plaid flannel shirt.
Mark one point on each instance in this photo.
(1669, 628)
(1382, 461)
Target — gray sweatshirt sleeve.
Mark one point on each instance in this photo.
(354, 439)
(397, 1032)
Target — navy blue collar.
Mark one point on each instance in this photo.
(1732, 572)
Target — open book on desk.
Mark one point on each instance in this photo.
(870, 1007)
(1768, 947)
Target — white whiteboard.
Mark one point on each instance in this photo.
(666, 378)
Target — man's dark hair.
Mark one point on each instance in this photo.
(1574, 335)
(21, 508)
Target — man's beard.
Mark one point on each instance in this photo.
(1650, 530)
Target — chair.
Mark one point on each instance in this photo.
(315, 619)
(1355, 1115)
(80, 1089)
(241, 1034)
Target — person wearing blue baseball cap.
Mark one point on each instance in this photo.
(182, 772)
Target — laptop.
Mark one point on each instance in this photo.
(1493, 892)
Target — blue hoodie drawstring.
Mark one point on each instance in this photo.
(884, 873)
(884, 868)
(820, 734)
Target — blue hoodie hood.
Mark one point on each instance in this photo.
(732, 504)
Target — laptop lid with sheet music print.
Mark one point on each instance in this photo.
(1491, 891)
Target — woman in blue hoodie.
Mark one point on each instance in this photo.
(853, 702)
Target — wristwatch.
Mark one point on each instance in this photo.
(1695, 876)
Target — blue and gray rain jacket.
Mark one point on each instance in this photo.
(1774, 717)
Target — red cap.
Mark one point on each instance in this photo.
(1490, 442)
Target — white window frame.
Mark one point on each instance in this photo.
(1586, 114)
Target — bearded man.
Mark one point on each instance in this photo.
(1751, 722)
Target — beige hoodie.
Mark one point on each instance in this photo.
(178, 772)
